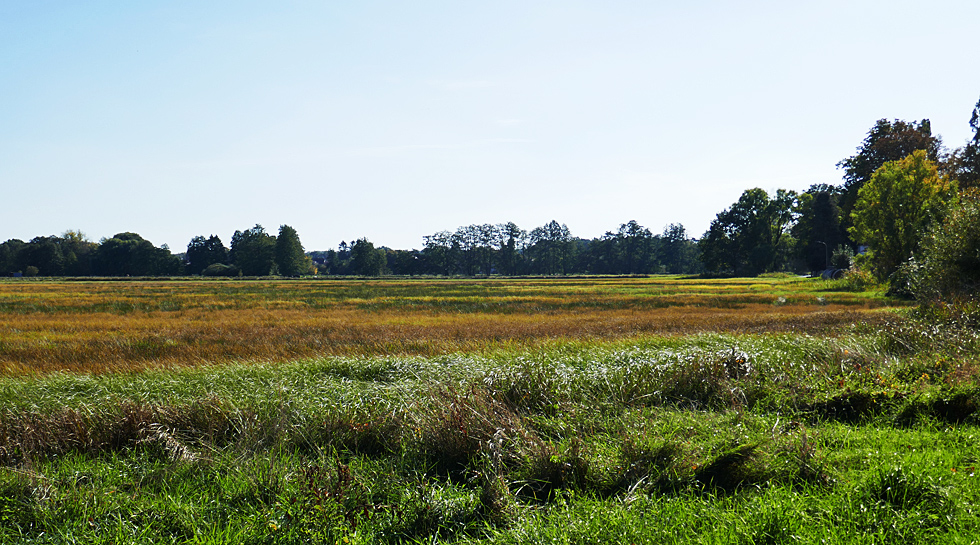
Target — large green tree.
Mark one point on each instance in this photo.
(746, 239)
(475, 249)
(290, 258)
(204, 252)
(511, 259)
(45, 254)
(886, 141)
(128, 254)
(633, 248)
(818, 229)
(11, 260)
(678, 252)
(78, 252)
(405, 262)
(551, 249)
(67, 255)
(441, 252)
(896, 207)
(253, 251)
(365, 259)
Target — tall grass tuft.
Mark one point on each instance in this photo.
(731, 470)
(458, 425)
(26, 436)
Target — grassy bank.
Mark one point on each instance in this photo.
(866, 436)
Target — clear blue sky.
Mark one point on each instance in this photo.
(392, 120)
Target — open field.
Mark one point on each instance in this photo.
(775, 417)
(122, 325)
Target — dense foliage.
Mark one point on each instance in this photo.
(886, 141)
(948, 267)
(965, 161)
(817, 232)
(203, 253)
(289, 257)
(895, 209)
(748, 238)
(508, 250)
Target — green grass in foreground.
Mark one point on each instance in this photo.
(866, 438)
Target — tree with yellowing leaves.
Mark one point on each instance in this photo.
(896, 207)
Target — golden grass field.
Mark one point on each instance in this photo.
(109, 326)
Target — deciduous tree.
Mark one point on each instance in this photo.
(628, 250)
(678, 252)
(513, 237)
(78, 252)
(290, 258)
(253, 251)
(886, 141)
(366, 260)
(896, 207)
(204, 252)
(440, 252)
(10, 256)
(745, 239)
(817, 229)
(947, 267)
(44, 253)
(128, 254)
(551, 249)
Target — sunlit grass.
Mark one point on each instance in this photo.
(114, 326)
(655, 439)
(609, 410)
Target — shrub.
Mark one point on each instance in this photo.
(842, 257)
(948, 268)
(854, 280)
(220, 269)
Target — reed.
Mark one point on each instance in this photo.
(696, 439)
(98, 327)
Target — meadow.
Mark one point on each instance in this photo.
(582, 410)
(99, 327)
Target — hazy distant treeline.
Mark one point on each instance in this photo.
(506, 249)
(503, 249)
(253, 252)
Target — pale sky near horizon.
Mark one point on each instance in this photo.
(394, 120)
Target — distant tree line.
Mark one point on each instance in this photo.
(899, 185)
(253, 253)
(472, 250)
(71, 254)
(506, 249)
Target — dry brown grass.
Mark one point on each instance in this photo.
(113, 326)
